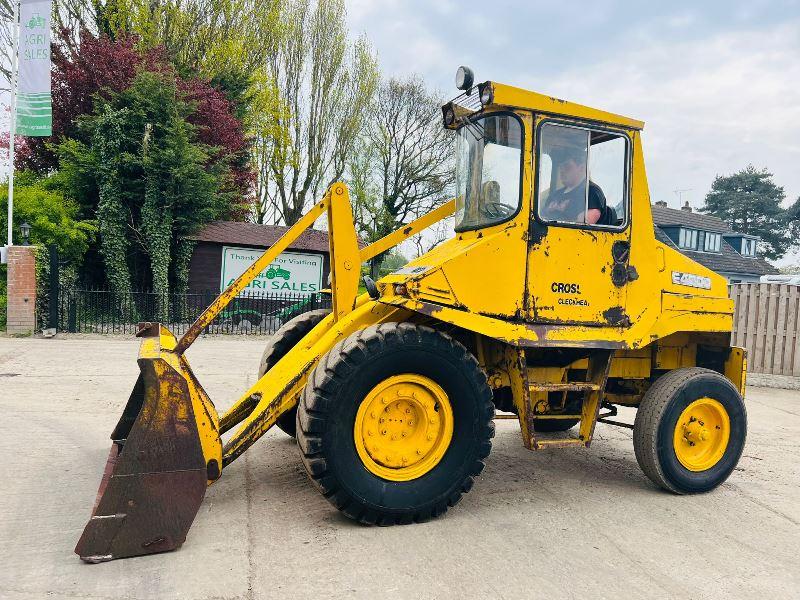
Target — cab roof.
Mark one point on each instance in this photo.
(508, 95)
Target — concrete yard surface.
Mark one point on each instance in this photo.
(553, 524)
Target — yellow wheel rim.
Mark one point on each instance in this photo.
(701, 434)
(403, 427)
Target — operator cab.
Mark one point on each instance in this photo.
(568, 168)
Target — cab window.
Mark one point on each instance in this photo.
(582, 176)
(488, 168)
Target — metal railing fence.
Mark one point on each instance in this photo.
(103, 311)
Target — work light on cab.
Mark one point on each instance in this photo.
(464, 78)
(486, 93)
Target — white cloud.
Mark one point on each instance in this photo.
(710, 107)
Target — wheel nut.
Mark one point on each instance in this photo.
(370, 432)
(403, 434)
(383, 432)
(381, 420)
(408, 411)
(419, 452)
(394, 437)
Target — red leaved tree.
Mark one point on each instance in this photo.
(102, 66)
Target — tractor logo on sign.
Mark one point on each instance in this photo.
(275, 271)
(36, 22)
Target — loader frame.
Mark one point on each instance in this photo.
(550, 365)
(258, 408)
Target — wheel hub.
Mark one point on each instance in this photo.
(403, 427)
(701, 434)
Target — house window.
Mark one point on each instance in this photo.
(695, 239)
(748, 247)
(687, 239)
(712, 242)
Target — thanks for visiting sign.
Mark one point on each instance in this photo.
(290, 273)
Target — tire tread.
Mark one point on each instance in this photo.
(332, 373)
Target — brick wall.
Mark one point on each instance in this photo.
(21, 308)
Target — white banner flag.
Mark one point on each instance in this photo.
(34, 111)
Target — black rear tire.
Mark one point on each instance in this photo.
(328, 411)
(658, 415)
(279, 345)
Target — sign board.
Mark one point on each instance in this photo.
(34, 111)
(292, 273)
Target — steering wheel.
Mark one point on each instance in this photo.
(496, 210)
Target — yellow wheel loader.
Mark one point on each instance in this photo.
(553, 300)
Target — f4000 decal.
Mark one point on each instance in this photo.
(691, 280)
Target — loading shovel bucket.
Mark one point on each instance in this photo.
(166, 450)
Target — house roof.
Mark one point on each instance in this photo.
(237, 233)
(727, 260)
(666, 217)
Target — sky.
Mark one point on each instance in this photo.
(717, 83)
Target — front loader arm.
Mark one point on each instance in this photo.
(345, 261)
(277, 391)
(167, 447)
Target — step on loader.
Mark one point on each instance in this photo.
(553, 302)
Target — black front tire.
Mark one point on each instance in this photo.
(279, 345)
(658, 416)
(329, 405)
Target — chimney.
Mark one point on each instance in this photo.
(661, 203)
(686, 207)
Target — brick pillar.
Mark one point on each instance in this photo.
(21, 290)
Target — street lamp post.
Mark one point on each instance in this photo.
(25, 230)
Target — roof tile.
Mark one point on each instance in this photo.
(664, 217)
(252, 234)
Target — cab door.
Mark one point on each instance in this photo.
(579, 238)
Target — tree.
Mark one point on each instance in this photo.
(403, 166)
(53, 217)
(793, 218)
(102, 67)
(155, 181)
(750, 202)
(209, 38)
(326, 84)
